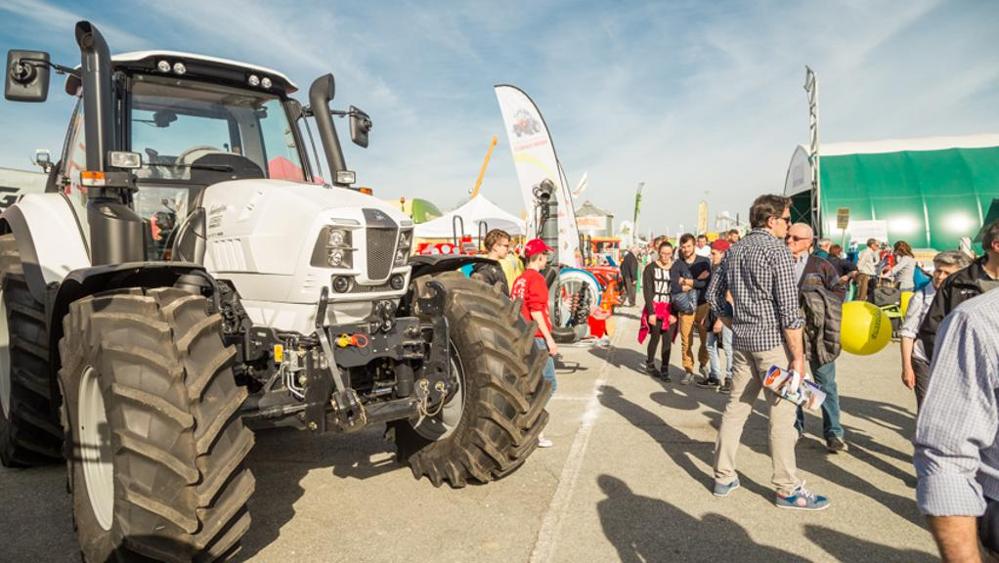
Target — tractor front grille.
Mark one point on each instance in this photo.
(383, 235)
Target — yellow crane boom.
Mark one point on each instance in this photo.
(485, 164)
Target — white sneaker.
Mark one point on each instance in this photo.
(544, 442)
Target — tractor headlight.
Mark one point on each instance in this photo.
(337, 238)
(334, 248)
(404, 247)
(336, 257)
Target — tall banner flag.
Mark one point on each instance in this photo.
(638, 204)
(583, 183)
(702, 217)
(535, 160)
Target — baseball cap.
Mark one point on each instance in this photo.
(535, 246)
(721, 245)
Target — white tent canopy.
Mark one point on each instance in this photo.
(477, 210)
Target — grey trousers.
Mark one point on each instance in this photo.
(747, 381)
(922, 371)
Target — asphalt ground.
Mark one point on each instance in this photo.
(628, 479)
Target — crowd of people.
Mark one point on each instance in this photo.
(773, 297)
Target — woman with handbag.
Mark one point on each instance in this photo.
(660, 280)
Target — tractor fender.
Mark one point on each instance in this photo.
(435, 264)
(88, 281)
(49, 237)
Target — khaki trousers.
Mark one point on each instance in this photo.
(863, 283)
(687, 325)
(747, 380)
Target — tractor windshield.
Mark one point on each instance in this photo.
(203, 133)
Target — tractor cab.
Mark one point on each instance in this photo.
(185, 122)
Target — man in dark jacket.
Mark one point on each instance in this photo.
(497, 245)
(700, 269)
(821, 297)
(976, 279)
(629, 274)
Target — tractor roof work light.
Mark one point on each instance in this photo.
(179, 69)
(345, 177)
(121, 159)
(163, 66)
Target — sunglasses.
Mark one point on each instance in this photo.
(796, 239)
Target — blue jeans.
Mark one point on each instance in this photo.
(549, 372)
(726, 338)
(825, 376)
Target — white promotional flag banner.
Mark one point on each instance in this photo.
(535, 160)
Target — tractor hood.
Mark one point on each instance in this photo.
(268, 236)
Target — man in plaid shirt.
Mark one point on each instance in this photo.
(957, 433)
(755, 291)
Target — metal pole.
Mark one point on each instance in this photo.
(812, 88)
(638, 205)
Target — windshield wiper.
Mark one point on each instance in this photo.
(214, 167)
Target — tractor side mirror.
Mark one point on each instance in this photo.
(27, 76)
(360, 126)
(43, 160)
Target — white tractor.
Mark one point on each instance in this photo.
(188, 275)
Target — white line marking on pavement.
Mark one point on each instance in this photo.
(544, 548)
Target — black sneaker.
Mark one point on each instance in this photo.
(836, 445)
(708, 382)
(650, 368)
(664, 375)
(726, 387)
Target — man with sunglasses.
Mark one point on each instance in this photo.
(758, 274)
(821, 297)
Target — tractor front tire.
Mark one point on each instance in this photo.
(151, 414)
(29, 429)
(502, 391)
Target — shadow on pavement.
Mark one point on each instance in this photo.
(621, 358)
(815, 460)
(282, 458)
(844, 547)
(678, 446)
(885, 415)
(826, 466)
(647, 529)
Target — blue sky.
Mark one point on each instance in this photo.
(700, 100)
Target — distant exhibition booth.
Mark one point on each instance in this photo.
(929, 192)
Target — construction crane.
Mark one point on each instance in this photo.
(485, 164)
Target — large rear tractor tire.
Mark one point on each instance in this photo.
(29, 430)
(491, 423)
(151, 412)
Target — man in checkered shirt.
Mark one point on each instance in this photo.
(957, 434)
(755, 291)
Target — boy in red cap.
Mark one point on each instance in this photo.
(531, 289)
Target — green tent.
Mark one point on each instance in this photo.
(991, 217)
(930, 192)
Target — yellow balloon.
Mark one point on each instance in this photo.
(906, 296)
(865, 329)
